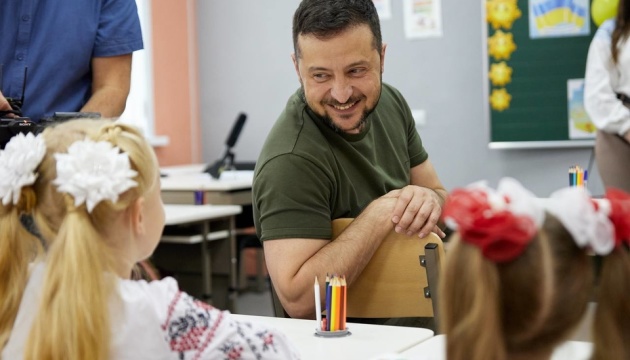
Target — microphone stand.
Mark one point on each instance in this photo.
(226, 163)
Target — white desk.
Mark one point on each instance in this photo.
(186, 214)
(366, 342)
(204, 215)
(181, 182)
(434, 349)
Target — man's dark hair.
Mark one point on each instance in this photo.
(327, 18)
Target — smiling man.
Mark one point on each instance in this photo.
(345, 146)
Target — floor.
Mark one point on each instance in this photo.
(252, 302)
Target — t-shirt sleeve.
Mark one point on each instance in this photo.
(119, 30)
(417, 152)
(292, 199)
(196, 330)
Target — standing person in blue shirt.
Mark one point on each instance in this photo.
(345, 146)
(78, 55)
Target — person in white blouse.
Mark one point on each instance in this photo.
(94, 190)
(607, 97)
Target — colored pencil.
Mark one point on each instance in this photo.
(328, 303)
(334, 315)
(318, 304)
(342, 317)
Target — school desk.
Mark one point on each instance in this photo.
(188, 184)
(434, 349)
(212, 229)
(365, 342)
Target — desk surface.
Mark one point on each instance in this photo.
(434, 349)
(183, 214)
(366, 341)
(192, 178)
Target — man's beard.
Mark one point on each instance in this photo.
(359, 126)
(329, 121)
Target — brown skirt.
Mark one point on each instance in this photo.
(612, 153)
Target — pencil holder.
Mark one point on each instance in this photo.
(334, 322)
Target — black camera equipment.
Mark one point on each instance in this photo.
(227, 161)
(9, 127)
(15, 124)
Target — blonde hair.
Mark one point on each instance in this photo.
(73, 317)
(17, 248)
(490, 310)
(611, 326)
(526, 306)
(572, 289)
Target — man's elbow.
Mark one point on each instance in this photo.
(297, 305)
(299, 309)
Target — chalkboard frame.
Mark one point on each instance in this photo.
(501, 144)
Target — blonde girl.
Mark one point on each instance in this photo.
(99, 209)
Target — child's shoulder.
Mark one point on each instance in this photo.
(134, 290)
(161, 300)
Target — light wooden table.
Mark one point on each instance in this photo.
(365, 342)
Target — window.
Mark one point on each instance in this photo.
(139, 110)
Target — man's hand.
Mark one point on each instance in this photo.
(4, 105)
(419, 205)
(626, 136)
(417, 211)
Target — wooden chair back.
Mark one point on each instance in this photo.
(400, 280)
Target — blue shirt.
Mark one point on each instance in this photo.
(56, 40)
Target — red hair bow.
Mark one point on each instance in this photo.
(619, 214)
(500, 234)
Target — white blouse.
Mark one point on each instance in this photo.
(157, 321)
(604, 79)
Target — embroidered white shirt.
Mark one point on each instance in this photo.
(157, 321)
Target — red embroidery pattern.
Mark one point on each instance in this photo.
(210, 335)
(171, 307)
(190, 325)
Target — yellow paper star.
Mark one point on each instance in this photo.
(501, 45)
(500, 74)
(502, 13)
(500, 99)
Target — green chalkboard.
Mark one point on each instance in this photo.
(537, 115)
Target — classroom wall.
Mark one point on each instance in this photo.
(173, 30)
(244, 65)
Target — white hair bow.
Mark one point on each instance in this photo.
(18, 161)
(94, 171)
(589, 226)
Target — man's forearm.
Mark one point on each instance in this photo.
(109, 101)
(347, 255)
(111, 81)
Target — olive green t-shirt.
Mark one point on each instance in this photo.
(308, 174)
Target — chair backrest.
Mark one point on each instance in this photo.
(400, 280)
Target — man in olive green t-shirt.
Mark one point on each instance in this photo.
(345, 146)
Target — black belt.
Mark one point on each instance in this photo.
(624, 98)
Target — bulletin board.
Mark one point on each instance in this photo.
(526, 78)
